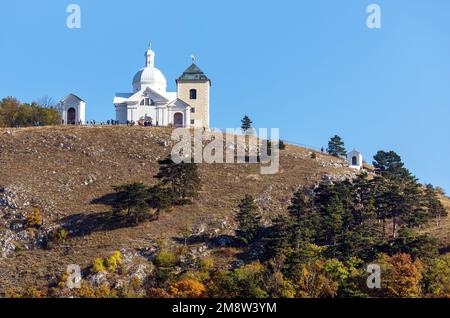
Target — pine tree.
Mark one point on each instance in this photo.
(389, 164)
(246, 123)
(303, 222)
(161, 198)
(336, 147)
(363, 199)
(333, 219)
(182, 179)
(248, 218)
(331, 211)
(381, 201)
(131, 201)
(398, 193)
(280, 237)
(434, 206)
(413, 205)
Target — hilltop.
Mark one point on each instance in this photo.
(68, 173)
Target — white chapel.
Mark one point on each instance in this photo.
(355, 160)
(151, 102)
(73, 110)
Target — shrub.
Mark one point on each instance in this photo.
(113, 261)
(34, 293)
(206, 263)
(187, 288)
(165, 259)
(248, 281)
(98, 266)
(34, 220)
(280, 286)
(103, 291)
(85, 291)
(60, 234)
(11, 293)
(157, 293)
(19, 246)
(315, 281)
(63, 280)
(102, 265)
(436, 279)
(29, 293)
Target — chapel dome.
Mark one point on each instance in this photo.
(150, 76)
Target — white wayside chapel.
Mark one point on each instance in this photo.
(73, 110)
(151, 102)
(355, 160)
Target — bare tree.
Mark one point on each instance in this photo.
(46, 102)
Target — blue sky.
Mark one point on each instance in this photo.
(311, 68)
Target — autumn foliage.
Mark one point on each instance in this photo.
(187, 288)
(401, 276)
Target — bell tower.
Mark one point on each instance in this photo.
(193, 87)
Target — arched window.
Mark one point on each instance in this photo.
(147, 102)
(354, 161)
(193, 94)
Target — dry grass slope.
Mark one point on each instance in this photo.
(62, 170)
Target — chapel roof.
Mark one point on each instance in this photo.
(73, 95)
(193, 73)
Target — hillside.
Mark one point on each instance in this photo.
(68, 173)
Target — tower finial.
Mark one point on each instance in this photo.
(150, 56)
(193, 58)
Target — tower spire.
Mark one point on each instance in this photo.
(150, 56)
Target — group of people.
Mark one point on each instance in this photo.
(145, 123)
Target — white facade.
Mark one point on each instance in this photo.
(151, 102)
(73, 110)
(355, 160)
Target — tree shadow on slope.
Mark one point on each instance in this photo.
(444, 250)
(107, 199)
(83, 224)
(212, 242)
